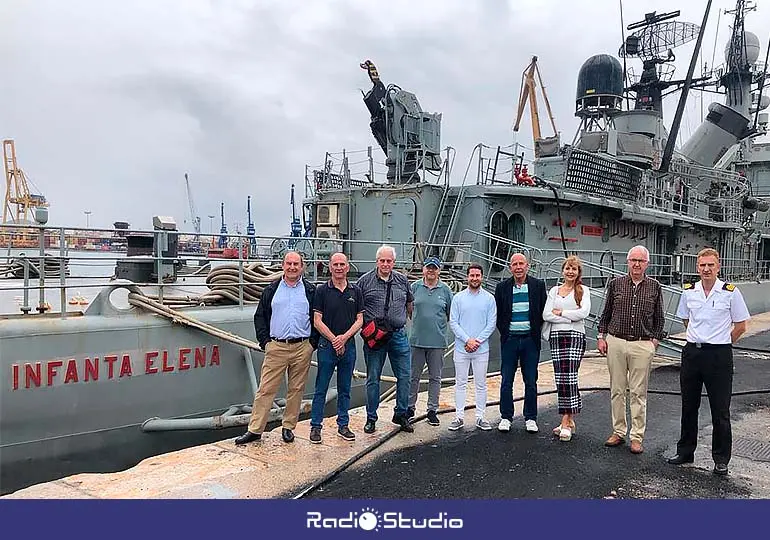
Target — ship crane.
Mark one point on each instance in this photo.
(528, 93)
(19, 202)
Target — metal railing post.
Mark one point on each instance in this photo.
(62, 275)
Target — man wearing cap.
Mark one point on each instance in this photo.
(432, 300)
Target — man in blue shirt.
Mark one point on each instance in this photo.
(432, 300)
(284, 330)
(472, 317)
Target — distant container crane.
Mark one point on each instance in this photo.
(19, 201)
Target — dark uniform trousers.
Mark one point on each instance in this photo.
(712, 366)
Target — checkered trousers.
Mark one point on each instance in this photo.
(567, 348)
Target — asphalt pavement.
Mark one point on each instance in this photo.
(474, 464)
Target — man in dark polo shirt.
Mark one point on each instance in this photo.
(339, 314)
(385, 287)
(630, 328)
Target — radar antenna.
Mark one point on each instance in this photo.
(653, 41)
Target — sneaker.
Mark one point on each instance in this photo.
(456, 424)
(483, 424)
(346, 434)
(315, 435)
(433, 418)
(504, 425)
(410, 413)
(531, 426)
(370, 426)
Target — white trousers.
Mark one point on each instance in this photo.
(464, 360)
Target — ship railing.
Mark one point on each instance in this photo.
(734, 269)
(89, 263)
(354, 169)
(695, 191)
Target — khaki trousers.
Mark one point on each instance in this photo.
(280, 358)
(629, 365)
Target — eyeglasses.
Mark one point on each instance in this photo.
(637, 261)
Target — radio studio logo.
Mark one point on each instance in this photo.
(370, 519)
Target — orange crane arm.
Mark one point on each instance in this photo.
(528, 87)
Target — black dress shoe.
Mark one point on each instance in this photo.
(720, 469)
(369, 427)
(287, 435)
(248, 437)
(406, 425)
(680, 459)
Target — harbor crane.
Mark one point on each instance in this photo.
(196, 220)
(528, 93)
(19, 201)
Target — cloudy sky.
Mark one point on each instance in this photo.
(111, 102)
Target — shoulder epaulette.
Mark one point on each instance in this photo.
(686, 286)
(728, 287)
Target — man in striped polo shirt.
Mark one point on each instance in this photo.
(520, 302)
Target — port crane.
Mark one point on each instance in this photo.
(19, 201)
(196, 220)
(195, 245)
(528, 94)
(250, 230)
(223, 230)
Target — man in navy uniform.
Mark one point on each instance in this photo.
(715, 316)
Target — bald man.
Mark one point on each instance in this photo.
(339, 314)
(520, 302)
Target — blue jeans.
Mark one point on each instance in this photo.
(519, 349)
(327, 361)
(400, 355)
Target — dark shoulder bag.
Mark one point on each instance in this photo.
(377, 332)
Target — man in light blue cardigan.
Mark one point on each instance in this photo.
(472, 317)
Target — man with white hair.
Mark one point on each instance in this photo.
(388, 301)
(630, 328)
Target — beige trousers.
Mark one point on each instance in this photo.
(280, 358)
(629, 365)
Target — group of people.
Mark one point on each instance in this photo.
(294, 317)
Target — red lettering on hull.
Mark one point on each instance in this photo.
(87, 369)
(72, 372)
(32, 374)
(166, 368)
(183, 365)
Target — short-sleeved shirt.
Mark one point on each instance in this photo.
(338, 308)
(430, 315)
(710, 317)
(373, 288)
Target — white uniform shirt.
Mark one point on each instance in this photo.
(711, 317)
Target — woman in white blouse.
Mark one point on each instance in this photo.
(565, 310)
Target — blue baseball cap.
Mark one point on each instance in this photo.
(432, 261)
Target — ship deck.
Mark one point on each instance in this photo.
(435, 463)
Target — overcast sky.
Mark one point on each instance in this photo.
(111, 102)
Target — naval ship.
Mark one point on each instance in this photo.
(101, 387)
